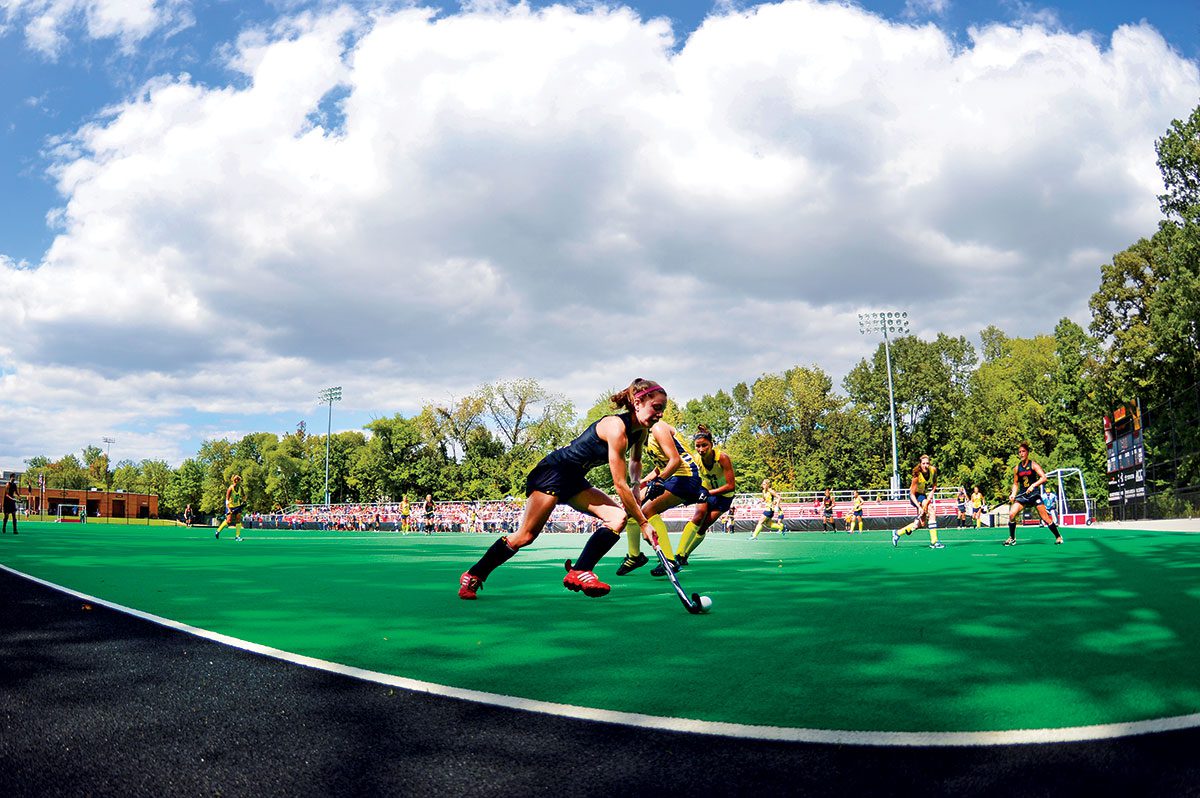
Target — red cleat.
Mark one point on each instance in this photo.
(468, 586)
(586, 581)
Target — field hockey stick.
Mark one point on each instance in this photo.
(691, 604)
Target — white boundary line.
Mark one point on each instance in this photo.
(776, 733)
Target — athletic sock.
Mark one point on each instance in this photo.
(757, 527)
(1054, 529)
(697, 539)
(933, 534)
(597, 546)
(685, 541)
(496, 555)
(664, 539)
(633, 537)
(1012, 529)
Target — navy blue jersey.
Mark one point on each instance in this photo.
(588, 450)
(1026, 476)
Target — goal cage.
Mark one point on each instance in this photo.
(68, 514)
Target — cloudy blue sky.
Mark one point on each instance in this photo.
(210, 209)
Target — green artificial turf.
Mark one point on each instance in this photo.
(828, 631)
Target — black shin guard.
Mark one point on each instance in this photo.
(597, 546)
(498, 554)
(1012, 529)
(1054, 529)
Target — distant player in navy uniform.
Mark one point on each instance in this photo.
(1028, 478)
(561, 476)
(827, 524)
(10, 504)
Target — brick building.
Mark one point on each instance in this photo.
(100, 503)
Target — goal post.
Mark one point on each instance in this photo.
(68, 514)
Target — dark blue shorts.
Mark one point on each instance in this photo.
(686, 488)
(722, 502)
(858, 513)
(1030, 498)
(562, 482)
(235, 511)
(916, 501)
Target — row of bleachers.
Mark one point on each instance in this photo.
(800, 511)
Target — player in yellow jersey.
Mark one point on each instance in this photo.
(856, 514)
(977, 507)
(673, 480)
(235, 502)
(920, 495)
(772, 512)
(960, 499)
(405, 515)
(716, 472)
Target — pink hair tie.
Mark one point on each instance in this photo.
(644, 391)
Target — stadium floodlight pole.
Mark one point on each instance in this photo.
(329, 395)
(107, 484)
(885, 322)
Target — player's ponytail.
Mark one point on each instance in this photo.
(638, 389)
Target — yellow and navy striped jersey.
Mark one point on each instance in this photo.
(235, 495)
(714, 475)
(858, 503)
(658, 458)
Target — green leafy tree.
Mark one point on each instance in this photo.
(127, 476)
(1179, 162)
(185, 487)
(69, 473)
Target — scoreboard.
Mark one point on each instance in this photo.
(1126, 455)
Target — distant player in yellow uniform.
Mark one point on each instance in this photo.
(856, 514)
(673, 480)
(235, 502)
(920, 495)
(405, 515)
(977, 507)
(772, 513)
(961, 499)
(716, 472)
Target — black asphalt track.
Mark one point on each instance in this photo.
(97, 703)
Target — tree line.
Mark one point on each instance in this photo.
(966, 407)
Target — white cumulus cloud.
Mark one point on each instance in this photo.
(46, 23)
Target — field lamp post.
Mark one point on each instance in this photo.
(329, 395)
(888, 323)
(108, 442)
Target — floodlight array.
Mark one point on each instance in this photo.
(889, 322)
(330, 395)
